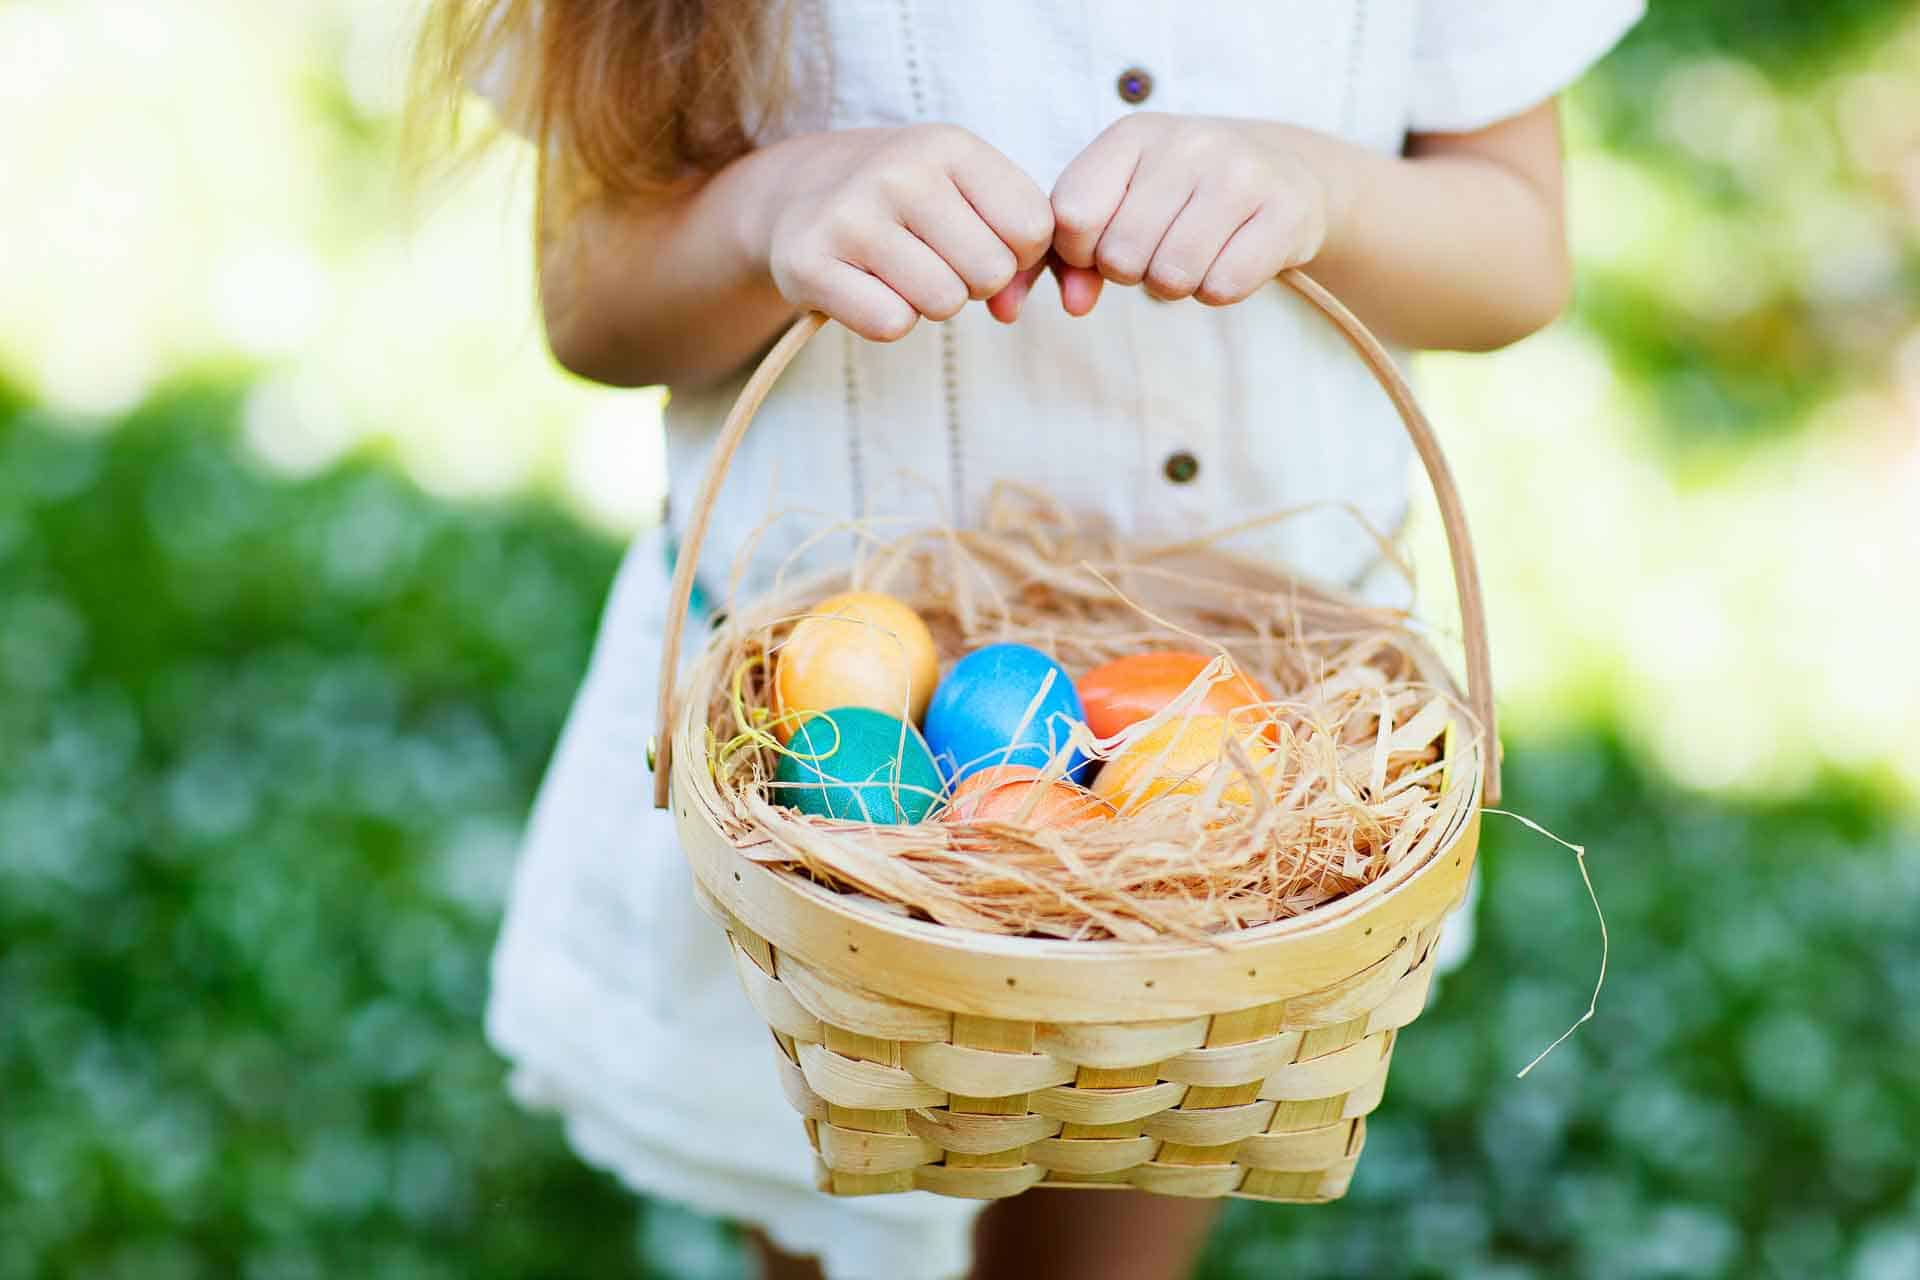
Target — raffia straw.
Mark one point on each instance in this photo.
(1355, 791)
(1580, 856)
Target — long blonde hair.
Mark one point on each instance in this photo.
(622, 97)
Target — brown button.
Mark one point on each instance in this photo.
(1135, 86)
(1181, 467)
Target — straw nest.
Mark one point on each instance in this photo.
(1372, 742)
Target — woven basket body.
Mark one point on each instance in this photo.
(922, 1057)
(927, 1058)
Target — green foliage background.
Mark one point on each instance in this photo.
(265, 745)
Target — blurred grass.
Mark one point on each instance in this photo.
(268, 750)
(268, 744)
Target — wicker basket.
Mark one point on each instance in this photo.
(930, 1058)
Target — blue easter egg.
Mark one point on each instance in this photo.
(859, 765)
(974, 719)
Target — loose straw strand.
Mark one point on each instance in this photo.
(1580, 856)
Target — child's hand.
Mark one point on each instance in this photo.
(878, 227)
(1190, 206)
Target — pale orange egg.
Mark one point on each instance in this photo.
(1179, 758)
(1003, 792)
(857, 649)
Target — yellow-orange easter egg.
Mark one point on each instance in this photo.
(1127, 690)
(1179, 758)
(858, 649)
(1003, 793)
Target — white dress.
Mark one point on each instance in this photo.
(613, 995)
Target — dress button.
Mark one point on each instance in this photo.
(1181, 467)
(1135, 85)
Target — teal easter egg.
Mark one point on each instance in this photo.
(859, 765)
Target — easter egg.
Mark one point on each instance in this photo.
(1179, 758)
(1016, 793)
(858, 649)
(979, 715)
(857, 764)
(1128, 690)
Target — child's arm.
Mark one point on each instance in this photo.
(876, 227)
(1459, 244)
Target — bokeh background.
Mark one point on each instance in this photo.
(302, 541)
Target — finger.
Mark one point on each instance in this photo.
(1154, 200)
(1079, 288)
(1088, 194)
(1005, 305)
(951, 227)
(914, 271)
(1282, 234)
(1252, 257)
(864, 303)
(1194, 242)
(1011, 204)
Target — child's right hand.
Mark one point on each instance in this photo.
(878, 227)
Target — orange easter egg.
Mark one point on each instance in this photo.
(1179, 758)
(1003, 792)
(857, 649)
(1128, 690)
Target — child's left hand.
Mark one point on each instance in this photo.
(1189, 206)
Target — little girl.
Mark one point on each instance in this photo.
(709, 168)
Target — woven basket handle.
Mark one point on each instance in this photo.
(1466, 572)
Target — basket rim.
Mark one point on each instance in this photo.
(1024, 945)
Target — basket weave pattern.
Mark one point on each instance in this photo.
(1268, 1102)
